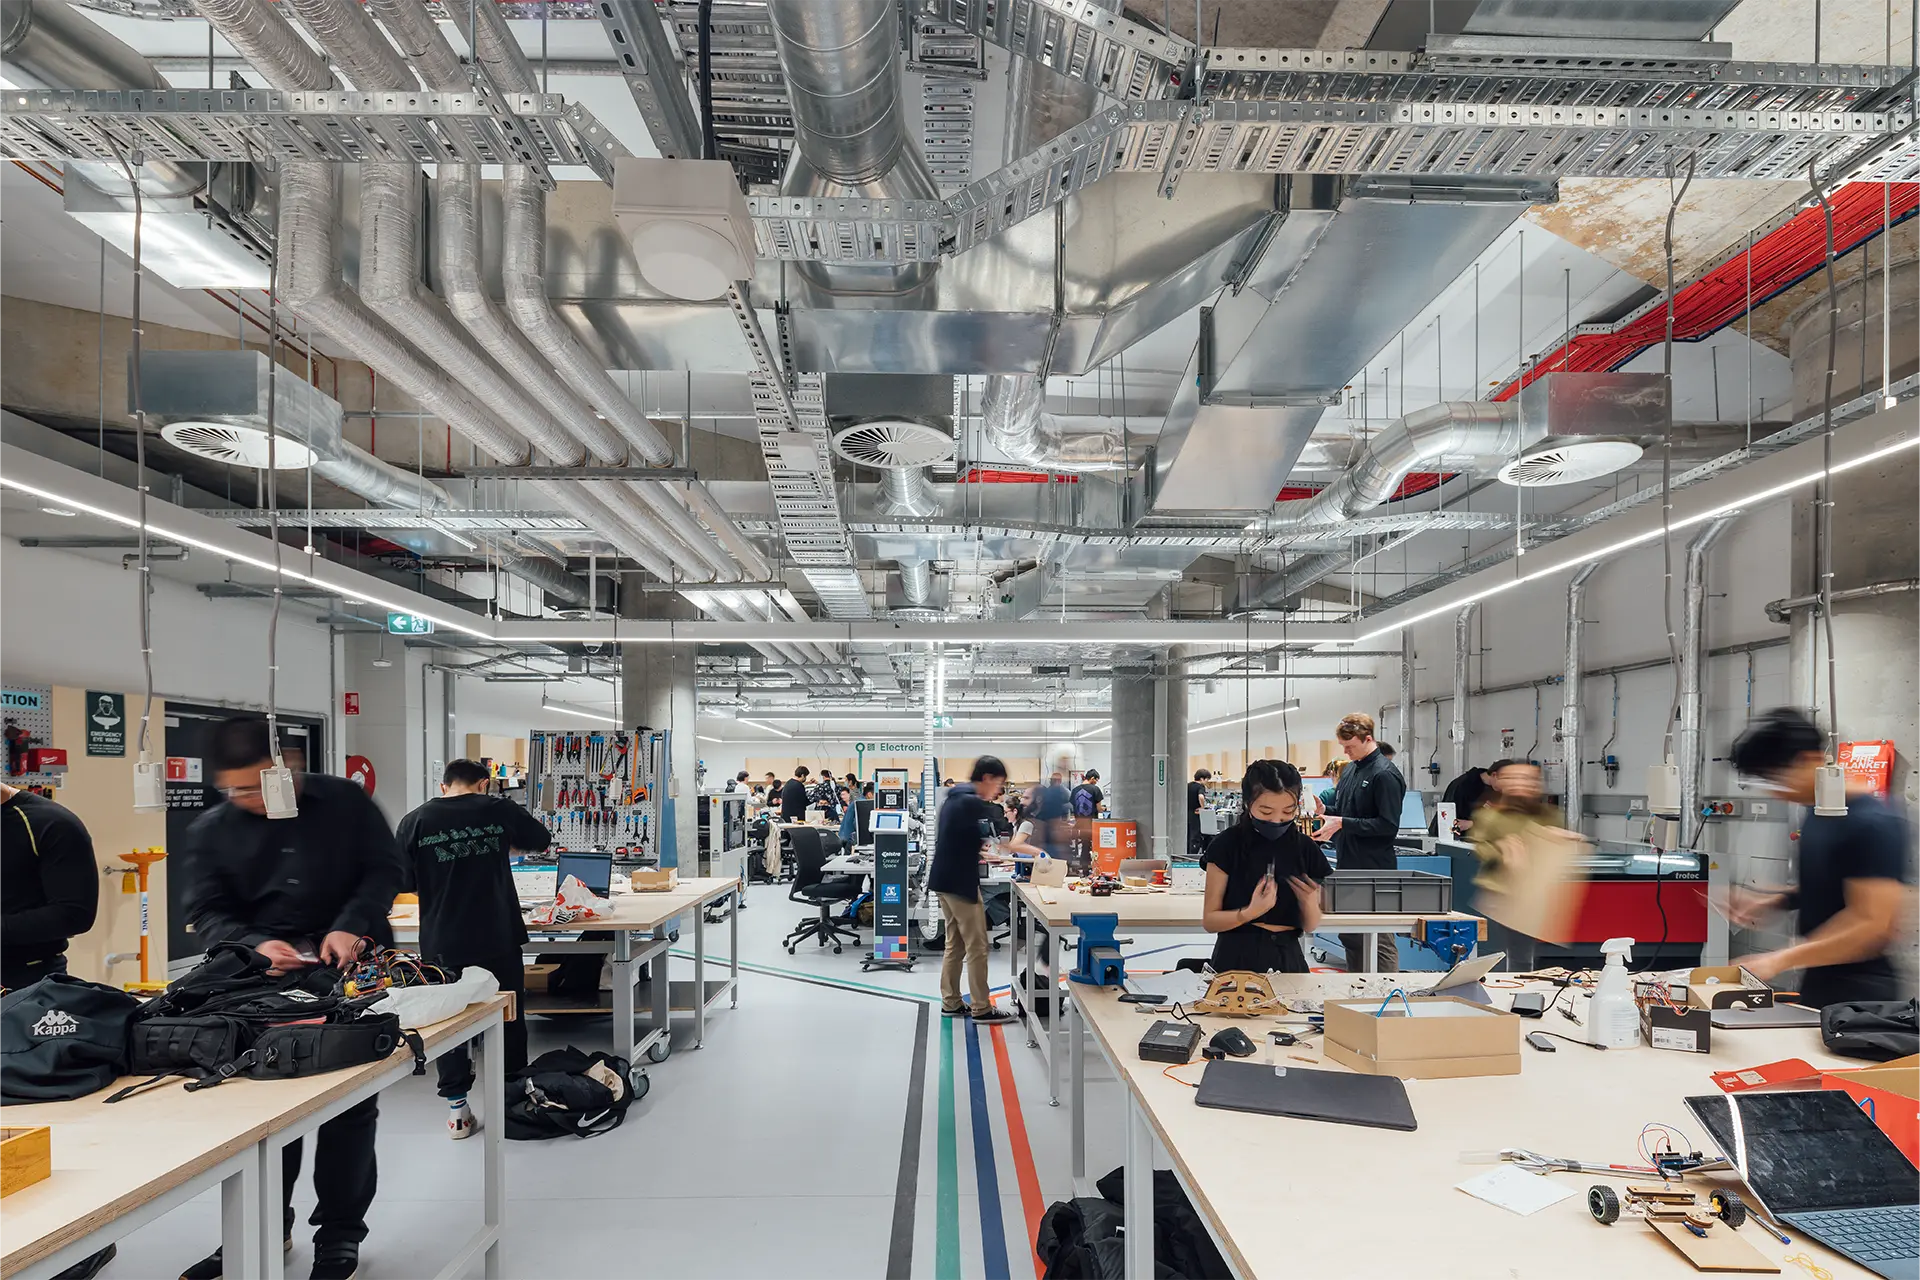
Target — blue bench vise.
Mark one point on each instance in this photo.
(1100, 963)
(1449, 940)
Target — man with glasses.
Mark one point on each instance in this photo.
(1366, 818)
(305, 890)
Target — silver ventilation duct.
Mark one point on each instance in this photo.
(1041, 105)
(267, 40)
(1690, 741)
(839, 58)
(47, 45)
(1013, 410)
(906, 491)
(355, 44)
(1574, 792)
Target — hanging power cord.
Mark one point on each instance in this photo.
(1823, 521)
(276, 784)
(144, 770)
(1666, 461)
(710, 149)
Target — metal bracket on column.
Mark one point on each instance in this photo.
(650, 64)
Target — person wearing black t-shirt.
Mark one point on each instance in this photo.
(793, 796)
(1196, 801)
(457, 853)
(1263, 877)
(1854, 875)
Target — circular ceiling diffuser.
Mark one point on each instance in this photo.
(236, 444)
(1569, 462)
(889, 443)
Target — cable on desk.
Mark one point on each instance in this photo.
(1667, 1134)
(1168, 1073)
(1586, 1044)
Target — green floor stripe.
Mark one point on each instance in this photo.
(946, 1250)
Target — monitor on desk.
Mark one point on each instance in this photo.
(594, 870)
(1413, 813)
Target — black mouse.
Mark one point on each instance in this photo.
(1232, 1041)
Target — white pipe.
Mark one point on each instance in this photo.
(1573, 795)
(1462, 647)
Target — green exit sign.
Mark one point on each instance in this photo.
(943, 722)
(408, 624)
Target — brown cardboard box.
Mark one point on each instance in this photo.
(641, 881)
(1689, 1028)
(1440, 1038)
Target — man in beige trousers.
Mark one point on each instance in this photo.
(960, 835)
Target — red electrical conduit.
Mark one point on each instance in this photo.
(1781, 259)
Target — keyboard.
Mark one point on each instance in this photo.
(1885, 1239)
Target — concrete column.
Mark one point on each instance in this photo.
(1141, 705)
(658, 692)
(393, 717)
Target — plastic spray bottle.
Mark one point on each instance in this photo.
(1612, 1020)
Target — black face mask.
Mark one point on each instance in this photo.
(1268, 830)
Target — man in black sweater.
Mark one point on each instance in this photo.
(301, 891)
(457, 854)
(964, 826)
(793, 796)
(1366, 808)
(49, 895)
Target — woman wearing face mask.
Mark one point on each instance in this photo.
(1263, 877)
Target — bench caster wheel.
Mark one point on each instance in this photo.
(659, 1050)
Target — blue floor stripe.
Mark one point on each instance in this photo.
(993, 1231)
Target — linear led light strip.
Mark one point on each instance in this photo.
(755, 724)
(1651, 535)
(1291, 704)
(227, 553)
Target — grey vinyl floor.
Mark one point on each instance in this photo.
(781, 1148)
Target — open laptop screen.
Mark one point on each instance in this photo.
(1807, 1151)
(594, 870)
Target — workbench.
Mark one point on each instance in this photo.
(1140, 911)
(117, 1168)
(1309, 1198)
(641, 925)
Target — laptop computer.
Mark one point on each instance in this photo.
(1340, 1097)
(594, 870)
(1817, 1162)
(1776, 1015)
(1465, 980)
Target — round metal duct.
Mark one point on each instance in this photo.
(891, 443)
(236, 444)
(1569, 462)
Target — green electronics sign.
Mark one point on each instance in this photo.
(408, 624)
(106, 724)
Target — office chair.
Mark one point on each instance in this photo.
(811, 886)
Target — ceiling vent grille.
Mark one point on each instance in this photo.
(236, 444)
(1570, 462)
(892, 443)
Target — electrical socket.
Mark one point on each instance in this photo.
(1758, 808)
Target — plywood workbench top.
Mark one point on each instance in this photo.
(1150, 908)
(109, 1160)
(1306, 1198)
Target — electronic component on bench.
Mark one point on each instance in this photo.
(1169, 1041)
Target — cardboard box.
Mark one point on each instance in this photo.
(657, 881)
(1436, 1038)
(1678, 1015)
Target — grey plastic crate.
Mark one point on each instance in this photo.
(1386, 892)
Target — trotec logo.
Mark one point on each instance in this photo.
(56, 1022)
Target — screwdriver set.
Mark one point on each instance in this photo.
(598, 790)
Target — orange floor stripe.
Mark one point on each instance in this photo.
(1030, 1200)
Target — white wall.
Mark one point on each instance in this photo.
(68, 618)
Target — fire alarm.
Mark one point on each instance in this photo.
(360, 770)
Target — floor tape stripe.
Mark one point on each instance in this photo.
(1032, 1205)
(748, 966)
(906, 1194)
(993, 1228)
(946, 1252)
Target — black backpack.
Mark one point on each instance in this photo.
(566, 1092)
(62, 1037)
(1881, 1030)
(229, 1016)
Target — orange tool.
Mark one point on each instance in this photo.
(143, 860)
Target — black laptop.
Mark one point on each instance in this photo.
(1816, 1161)
(594, 870)
(1340, 1097)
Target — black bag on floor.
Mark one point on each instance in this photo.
(1042, 1000)
(569, 1093)
(1181, 1244)
(1877, 1029)
(1080, 1239)
(62, 1037)
(230, 1016)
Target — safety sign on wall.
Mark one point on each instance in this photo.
(106, 724)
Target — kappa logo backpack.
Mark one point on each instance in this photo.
(63, 1037)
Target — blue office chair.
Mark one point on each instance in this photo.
(812, 886)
